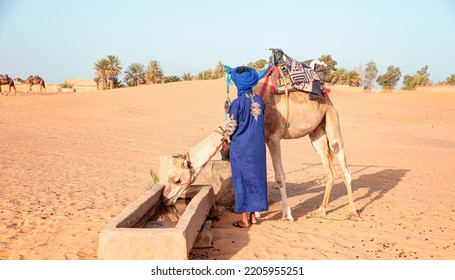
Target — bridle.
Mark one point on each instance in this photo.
(192, 174)
(190, 170)
(187, 183)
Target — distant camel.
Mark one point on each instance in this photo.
(5, 80)
(33, 80)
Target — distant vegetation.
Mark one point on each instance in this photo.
(66, 85)
(422, 78)
(108, 72)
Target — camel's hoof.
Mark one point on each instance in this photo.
(287, 219)
(319, 213)
(353, 215)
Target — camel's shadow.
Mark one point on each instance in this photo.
(377, 184)
(383, 181)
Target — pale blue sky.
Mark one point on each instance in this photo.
(59, 39)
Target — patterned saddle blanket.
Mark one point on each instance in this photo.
(303, 77)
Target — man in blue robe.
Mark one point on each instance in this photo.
(247, 150)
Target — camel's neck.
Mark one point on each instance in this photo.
(202, 152)
(22, 81)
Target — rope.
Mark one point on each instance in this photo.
(227, 103)
(276, 75)
(288, 124)
(227, 70)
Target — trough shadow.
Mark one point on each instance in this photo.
(383, 181)
(223, 231)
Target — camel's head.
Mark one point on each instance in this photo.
(179, 178)
(277, 56)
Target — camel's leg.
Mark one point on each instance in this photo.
(336, 145)
(320, 143)
(280, 177)
(9, 90)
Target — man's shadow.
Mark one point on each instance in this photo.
(377, 184)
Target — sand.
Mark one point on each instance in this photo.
(70, 162)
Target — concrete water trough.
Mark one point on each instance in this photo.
(132, 235)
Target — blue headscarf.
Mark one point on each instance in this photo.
(244, 81)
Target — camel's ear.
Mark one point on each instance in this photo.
(185, 164)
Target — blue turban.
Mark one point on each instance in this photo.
(245, 80)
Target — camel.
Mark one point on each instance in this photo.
(290, 116)
(5, 80)
(319, 120)
(33, 80)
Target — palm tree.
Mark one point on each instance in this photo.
(114, 68)
(352, 78)
(118, 83)
(97, 80)
(219, 71)
(187, 77)
(421, 80)
(154, 74)
(337, 76)
(450, 80)
(101, 67)
(134, 74)
(205, 75)
(258, 64)
(171, 79)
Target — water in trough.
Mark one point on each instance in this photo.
(163, 216)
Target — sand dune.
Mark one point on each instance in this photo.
(69, 163)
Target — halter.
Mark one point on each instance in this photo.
(192, 174)
(277, 74)
(190, 170)
(190, 178)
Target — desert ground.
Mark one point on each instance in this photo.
(70, 162)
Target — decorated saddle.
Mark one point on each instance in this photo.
(307, 76)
